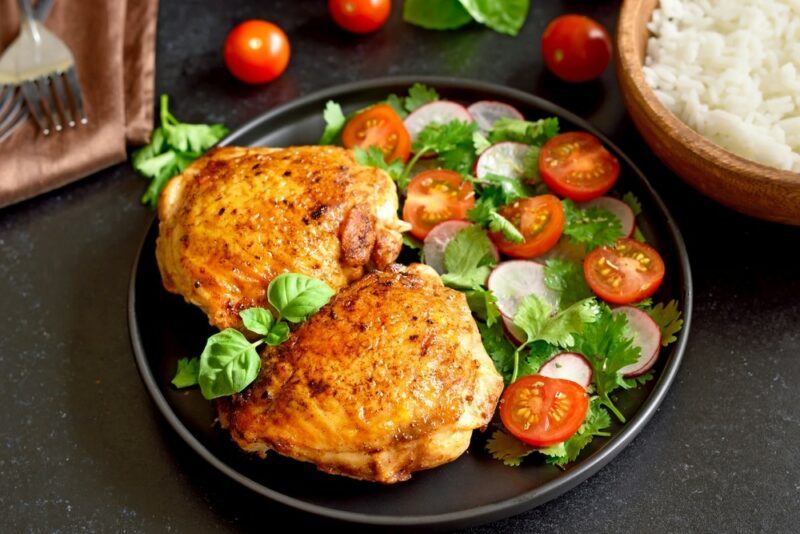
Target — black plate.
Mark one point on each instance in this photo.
(472, 489)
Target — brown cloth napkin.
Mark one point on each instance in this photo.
(113, 42)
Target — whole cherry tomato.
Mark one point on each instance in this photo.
(256, 51)
(576, 48)
(360, 16)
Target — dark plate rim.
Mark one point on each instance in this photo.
(586, 468)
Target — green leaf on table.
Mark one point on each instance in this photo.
(436, 14)
(297, 296)
(504, 16)
(468, 259)
(334, 122)
(228, 364)
(187, 373)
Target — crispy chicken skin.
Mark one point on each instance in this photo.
(389, 378)
(238, 217)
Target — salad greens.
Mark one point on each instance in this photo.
(504, 16)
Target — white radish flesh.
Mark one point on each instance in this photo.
(487, 112)
(569, 366)
(505, 159)
(646, 336)
(512, 281)
(618, 208)
(441, 111)
(437, 240)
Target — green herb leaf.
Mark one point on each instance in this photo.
(534, 133)
(499, 348)
(536, 319)
(468, 259)
(566, 277)
(419, 95)
(277, 334)
(508, 449)
(593, 227)
(297, 296)
(597, 420)
(373, 157)
(504, 16)
(538, 353)
(452, 143)
(228, 364)
(668, 319)
(498, 223)
(639, 236)
(412, 242)
(483, 304)
(186, 375)
(397, 105)
(334, 122)
(480, 142)
(435, 14)
(497, 191)
(257, 320)
(633, 202)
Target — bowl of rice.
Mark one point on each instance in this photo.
(714, 88)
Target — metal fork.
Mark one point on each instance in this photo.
(43, 68)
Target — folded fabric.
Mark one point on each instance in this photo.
(113, 42)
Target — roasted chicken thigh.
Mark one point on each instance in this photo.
(238, 217)
(389, 378)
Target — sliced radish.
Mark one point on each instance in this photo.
(505, 159)
(487, 112)
(569, 366)
(513, 332)
(437, 240)
(622, 211)
(441, 111)
(646, 336)
(512, 281)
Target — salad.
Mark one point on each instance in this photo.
(527, 222)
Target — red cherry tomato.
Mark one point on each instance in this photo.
(379, 126)
(360, 16)
(577, 166)
(543, 411)
(256, 51)
(539, 219)
(627, 272)
(436, 196)
(576, 48)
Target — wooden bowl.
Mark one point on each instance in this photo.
(744, 185)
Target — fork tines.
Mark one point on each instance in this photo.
(55, 100)
(12, 112)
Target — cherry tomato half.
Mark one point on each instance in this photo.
(576, 48)
(627, 272)
(360, 16)
(543, 411)
(436, 196)
(256, 51)
(379, 126)
(576, 165)
(539, 219)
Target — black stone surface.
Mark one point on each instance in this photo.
(82, 447)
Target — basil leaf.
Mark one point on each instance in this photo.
(278, 334)
(228, 364)
(297, 296)
(257, 320)
(504, 16)
(435, 14)
(186, 374)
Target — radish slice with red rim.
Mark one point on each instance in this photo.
(514, 333)
(437, 240)
(618, 208)
(646, 336)
(441, 111)
(569, 366)
(487, 112)
(511, 281)
(505, 159)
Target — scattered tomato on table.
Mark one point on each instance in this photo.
(360, 16)
(256, 51)
(576, 48)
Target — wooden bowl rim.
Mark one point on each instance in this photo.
(631, 67)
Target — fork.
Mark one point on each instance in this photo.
(43, 69)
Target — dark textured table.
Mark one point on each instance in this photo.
(84, 448)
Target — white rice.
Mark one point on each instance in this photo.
(730, 69)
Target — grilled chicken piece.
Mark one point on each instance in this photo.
(238, 217)
(389, 378)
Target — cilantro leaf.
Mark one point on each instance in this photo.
(633, 202)
(452, 143)
(638, 235)
(597, 420)
(498, 223)
(668, 319)
(373, 157)
(530, 132)
(483, 304)
(535, 318)
(499, 348)
(480, 142)
(594, 227)
(566, 277)
(497, 191)
(608, 345)
(508, 449)
(468, 259)
(419, 95)
(539, 352)
(397, 104)
(334, 122)
(186, 375)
